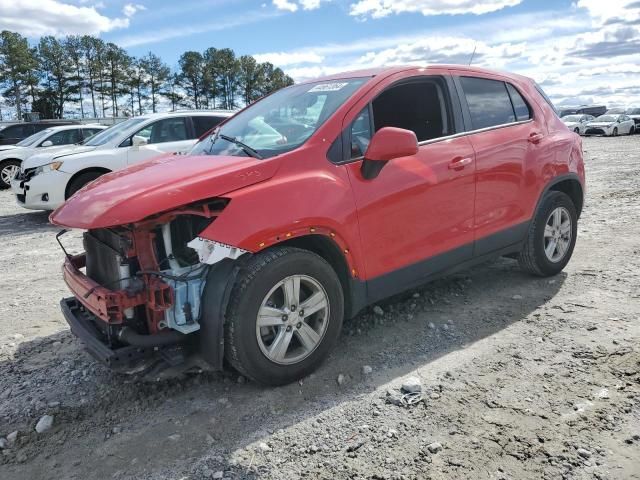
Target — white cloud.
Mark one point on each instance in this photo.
(35, 18)
(130, 9)
(383, 8)
(293, 6)
(285, 5)
(611, 10)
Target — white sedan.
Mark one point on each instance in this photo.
(50, 140)
(45, 181)
(611, 125)
(577, 122)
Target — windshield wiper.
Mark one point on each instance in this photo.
(245, 148)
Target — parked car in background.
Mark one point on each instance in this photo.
(12, 134)
(595, 110)
(47, 180)
(634, 114)
(611, 125)
(577, 123)
(309, 205)
(51, 139)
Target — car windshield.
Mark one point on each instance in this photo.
(607, 118)
(615, 111)
(572, 118)
(33, 139)
(280, 122)
(633, 111)
(112, 132)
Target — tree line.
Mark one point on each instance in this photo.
(102, 79)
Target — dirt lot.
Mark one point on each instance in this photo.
(524, 378)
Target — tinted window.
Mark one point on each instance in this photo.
(519, 105)
(488, 100)
(17, 131)
(203, 124)
(168, 130)
(65, 137)
(360, 133)
(88, 132)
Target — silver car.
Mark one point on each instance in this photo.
(611, 126)
(577, 122)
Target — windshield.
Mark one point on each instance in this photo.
(280, 122)
(607, 118)
(615, 110)
(33, 139)
(572, 118)
(633, 111)
(112, 132)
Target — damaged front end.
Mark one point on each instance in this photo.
(152, 292)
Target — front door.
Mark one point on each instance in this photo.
(169, 135)
(416, 216)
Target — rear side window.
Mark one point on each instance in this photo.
(519, 105)
(17, 131)
(489, 102)
(203, 124)
(65, 137)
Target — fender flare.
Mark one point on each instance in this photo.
(555, 181)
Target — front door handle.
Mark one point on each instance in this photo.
(459, 163)
(535, 137)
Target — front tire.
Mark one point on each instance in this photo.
(576, 130)
(552, 236)
(615, 132)
(80, 181)
(632, 130)
(284, 315)
(8, 170)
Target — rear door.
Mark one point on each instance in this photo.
(169, 135)
(505, 139)
(416, 216)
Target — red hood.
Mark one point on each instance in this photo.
(158, 185)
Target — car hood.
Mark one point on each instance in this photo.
(54, 153)
(600, 124)
(7, 147)
(167, 182)
(571, 124)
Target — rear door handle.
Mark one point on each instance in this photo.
(535, 137)
(459, 163)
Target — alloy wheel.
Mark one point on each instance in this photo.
(557, 234)
(292, 319)
(8, 173)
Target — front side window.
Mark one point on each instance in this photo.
(418, 106)
(280, 122)
(90, 132)
(489, 102)
(168, 130)
(65, 137)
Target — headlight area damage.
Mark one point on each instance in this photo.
(139, 289)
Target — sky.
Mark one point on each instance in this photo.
(581, 51)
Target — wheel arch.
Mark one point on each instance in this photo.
(327, 248)
(568, 184)
(100, 170)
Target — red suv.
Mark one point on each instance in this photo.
(311, 204)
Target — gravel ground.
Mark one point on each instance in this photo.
(522, 378)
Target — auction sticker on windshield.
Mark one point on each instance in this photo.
(328, 87)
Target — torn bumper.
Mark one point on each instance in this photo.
(127, 359)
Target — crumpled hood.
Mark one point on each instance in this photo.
(51, 154)
(167, 182)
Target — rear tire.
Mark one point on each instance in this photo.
(80, 181)
(266, 291)
(552, 236)
(8, 170)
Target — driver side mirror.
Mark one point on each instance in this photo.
(138, 141)
(46, 143)
(386, 144)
